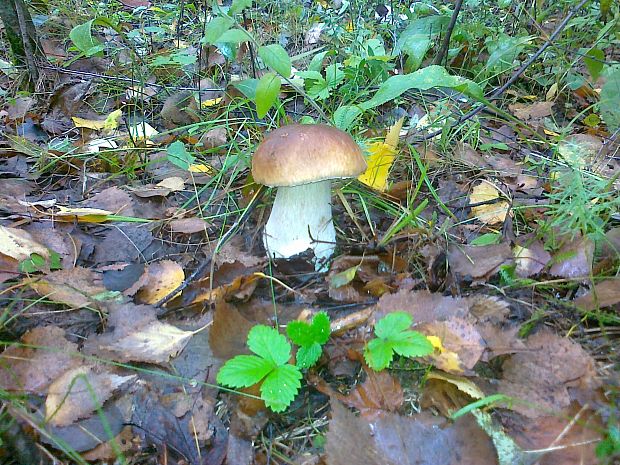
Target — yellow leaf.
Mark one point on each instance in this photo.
(211, 102)
(111, 122)
(161, 278)
(83, 215)
(492, 212)
(381, 157)
(201, 168)
(436, 343)
(95, 124)
(463, 384)
(349, 26)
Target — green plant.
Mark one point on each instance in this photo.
(280, 379)
(609, 448)
(394, 336)
(310, 338)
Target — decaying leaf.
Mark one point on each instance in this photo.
(137, 336)
(603, 294)
(46, 354)
(574, 259)
(478, 261)
(380, 392)
(78, 392)
(19, 244)
(530, 258)
(461, 344)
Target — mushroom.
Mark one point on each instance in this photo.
(301, 160)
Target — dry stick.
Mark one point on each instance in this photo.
(225, 238)
(516, 75)
(443, 51)
(24, 30)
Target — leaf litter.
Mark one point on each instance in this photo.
(105, 216)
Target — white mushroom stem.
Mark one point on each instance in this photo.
(301, 219)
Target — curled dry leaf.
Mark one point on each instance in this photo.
(161, 278)
(78, 392)
(31, 369)
(493, 212)
(137, 336)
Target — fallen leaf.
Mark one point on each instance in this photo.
(530, 260)
(492, 212)
(46, 354)
(380, 160)
(162, 278)
(478, 261)
(380, 392)
(461, 344)
(82, 215)
(574, 259)
(539, 376)
(19, 244)
(188, 225)
(76, 287)
(603, 294)
(423, 306)
(78, 392)
(392, 439)
(533, 112)
(137, 336)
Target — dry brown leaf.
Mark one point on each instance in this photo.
(534, 112)
(137, 336)
(574, 259)
(162, 278)
(461, 344)
(492, 212)
(76, 287)
(380, 392)
(423, 306)
(392, 439)
(78, 392)
(188, 225)
(539, 377)
(603, 294)
(28, 369)
(530, 258)
(229, 331)
(478, 261)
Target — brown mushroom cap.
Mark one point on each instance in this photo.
(304, 153)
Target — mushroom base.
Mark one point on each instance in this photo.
(301, 219)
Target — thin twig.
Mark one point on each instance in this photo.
(445, 45)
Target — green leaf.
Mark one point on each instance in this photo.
(609, 103)
(334, 74)
(423, 79)
(308, 355)
(216, 27)
(594, 60)
(33, 264)
(316, 64)
(345, 116)
(394, 336)
(244, 371)
(414, 345)
(276, 58)
(179, 156)
(487, 239)
(300, 333)
(280, 387)
(343, 278)
(235, 36)
(82, 37)
(393, 323)
(247, 87)
(416, 40)
(321, 327)
(378, 354)
(267, 92)
(239, 5)
(268, 343)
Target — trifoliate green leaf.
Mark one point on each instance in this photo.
(308, 355)
(244, 371)
(280, 387)
(392, 324)
(393, 335)
(304, 334)
(269, 344)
